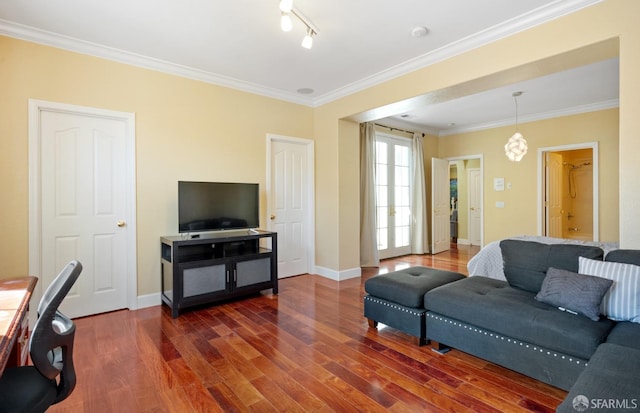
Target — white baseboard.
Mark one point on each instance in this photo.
(463, 241)
(149, 300)
(338, 275)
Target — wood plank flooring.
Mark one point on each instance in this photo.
(308, 349)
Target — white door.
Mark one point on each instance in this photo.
(475, 205)
(84, 197)
(553, 195)
(440, 206)
(393, 195)
(289, 205)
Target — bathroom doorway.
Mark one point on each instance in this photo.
(569, 193)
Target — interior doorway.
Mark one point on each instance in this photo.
(290, 202)
(82, 203)
(568, 192)
(466, 194)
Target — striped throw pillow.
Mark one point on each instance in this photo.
(622, 301)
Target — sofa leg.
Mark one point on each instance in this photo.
(439, 347)
(418, 341)
(372, 323)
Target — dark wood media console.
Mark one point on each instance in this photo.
(213, 267)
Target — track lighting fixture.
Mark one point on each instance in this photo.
(286, 23)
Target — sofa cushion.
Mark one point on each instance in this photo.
(526, 262)
(608, 384)
(407, 286)
(573, 292)
(625, 334)
(494, 305)
(622, 301)
(625, 256)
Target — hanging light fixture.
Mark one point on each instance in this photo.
(516, 147)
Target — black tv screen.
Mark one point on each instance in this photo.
(215, 206)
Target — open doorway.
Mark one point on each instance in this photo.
(569, 192)
(465, 178)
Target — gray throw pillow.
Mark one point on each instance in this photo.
(573, 292)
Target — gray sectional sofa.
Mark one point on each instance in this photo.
(518, 323)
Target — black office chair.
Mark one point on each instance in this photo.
(52, 377)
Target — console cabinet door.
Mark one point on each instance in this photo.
(198, 279)
(248, 273)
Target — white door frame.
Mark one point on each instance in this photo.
(481, 189)
(36, 107)
(310, 218)
(596, 191)
(469, 212)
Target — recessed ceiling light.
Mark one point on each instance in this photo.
(305, 91)
(419, 31)
(404, 116)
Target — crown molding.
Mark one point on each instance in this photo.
(536, 17)
(47, 38)
(576, 110)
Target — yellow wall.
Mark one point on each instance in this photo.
(519, 216)
(185, 129)
(564, 43)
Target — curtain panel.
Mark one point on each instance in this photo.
(369, 256)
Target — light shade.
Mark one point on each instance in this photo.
(286, 6)
(286, 24)
(307, 42)
(516, 147)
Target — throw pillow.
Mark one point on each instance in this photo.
(573, 292)
(622, 301)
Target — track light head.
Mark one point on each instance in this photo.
(307, 42)
(286, 24)
(286, 6)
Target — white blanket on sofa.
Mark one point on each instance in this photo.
(488, 261)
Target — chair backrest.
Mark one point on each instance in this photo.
(51, 342)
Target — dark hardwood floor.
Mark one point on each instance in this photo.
(308, 349)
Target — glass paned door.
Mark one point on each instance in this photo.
(393, 193)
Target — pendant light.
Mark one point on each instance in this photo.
(516, 147)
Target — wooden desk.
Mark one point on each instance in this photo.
(15, 294)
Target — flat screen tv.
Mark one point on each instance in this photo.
(216, 206)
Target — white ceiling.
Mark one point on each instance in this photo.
(360, 43)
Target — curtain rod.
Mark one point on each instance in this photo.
(398, 129)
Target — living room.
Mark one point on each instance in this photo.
(189, 129)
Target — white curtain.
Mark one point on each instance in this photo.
(419, 230)
(369, 256)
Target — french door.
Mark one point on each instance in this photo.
(393, 193)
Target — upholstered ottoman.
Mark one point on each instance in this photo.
(397, 298)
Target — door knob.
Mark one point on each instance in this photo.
(272, 217)
(121, 224)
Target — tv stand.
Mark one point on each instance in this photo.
(217, 266)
